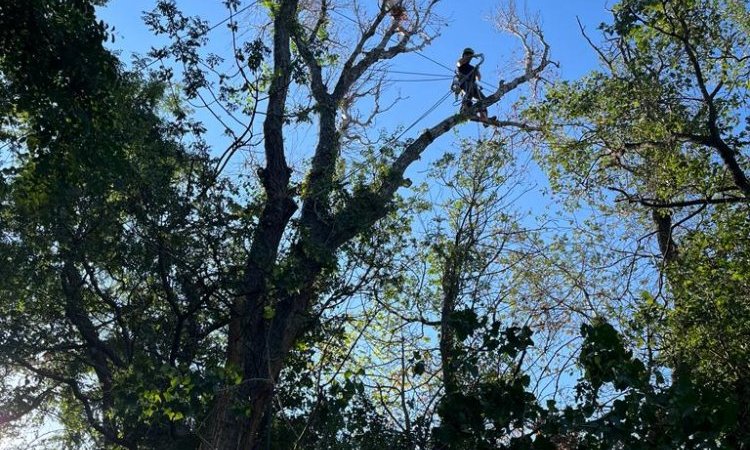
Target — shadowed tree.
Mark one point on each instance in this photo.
(164, 304)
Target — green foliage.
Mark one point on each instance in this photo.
(711, 314)
(605, 360)
(341, 415)
(641, 412)
(663, 126)
(637, 126)
(486, 413)
(105, 231)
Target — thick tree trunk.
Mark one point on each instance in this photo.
(239, 418)
(255, 346)
(236, 423)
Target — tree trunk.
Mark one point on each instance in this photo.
(256, 344)
(667, 245)
(240, 416)
(448, 350)
(237, 424)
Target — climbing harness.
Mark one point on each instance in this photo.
(463, 84)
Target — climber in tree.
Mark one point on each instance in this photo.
(468, 78)
(397, 11)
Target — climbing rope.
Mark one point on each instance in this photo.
(426, 113)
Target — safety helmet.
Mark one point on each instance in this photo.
(468, 51)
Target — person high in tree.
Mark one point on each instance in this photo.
(468, 81)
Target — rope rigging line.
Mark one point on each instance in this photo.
(344, 16)
(433, 107)
(423, 80)
(434, 61)
(426, 113)
(403, 72)
(446, 67)
(239, 11)
(413, 124)
(434, 77)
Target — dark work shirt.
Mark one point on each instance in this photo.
(468, 74)
(465, 69)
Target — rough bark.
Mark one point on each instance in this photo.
(247, 344)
